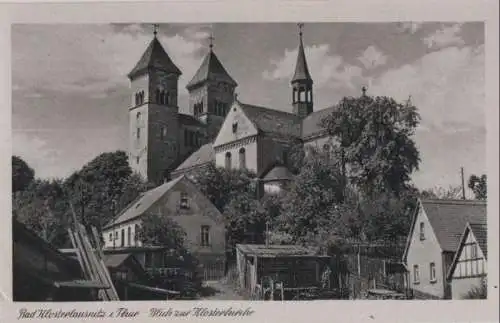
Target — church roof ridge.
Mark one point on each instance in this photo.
(154, 56)
(211, 68)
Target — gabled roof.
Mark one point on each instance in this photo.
(310, 124)
(275, 172)
(203, 155)
(272, 121)
(301, 69)
(211, 69)
(448, 219)
(156, 57)
(479, 230)
(143, 203)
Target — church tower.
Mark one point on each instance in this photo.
(211, 93)
(302, 83)
(153, 114)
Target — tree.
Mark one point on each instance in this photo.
(160, 230)
(375, 139)
(221, 185)
(478, 186)
(440, 193)
(42, 208)
(313, 200)
(103, 187)
(22, 174)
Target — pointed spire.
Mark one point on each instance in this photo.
(301, 69)
(156, 27)
(211, 39)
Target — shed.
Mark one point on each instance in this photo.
(293, 267)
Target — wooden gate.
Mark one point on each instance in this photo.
(213, 271)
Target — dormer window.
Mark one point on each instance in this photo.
(235, 127)
(184, 202)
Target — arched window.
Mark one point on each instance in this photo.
(138, 132)
(228, 160)
(165, 97)
(123, 238)
(129, 236)
(138, 117)
(136, 234)
(243, 162)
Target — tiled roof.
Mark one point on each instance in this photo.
(272, 121)
(310, 125)
(155, 56)
(211, 69)
(143, 203)
(276, 250)
(449, 218)
(481, 234)
(203, 155)
(189, 120)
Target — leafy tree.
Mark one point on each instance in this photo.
(42, 208)
(103, 187)
(22, 174)
(221, 185)
(440, 193)
(312, 202)
(375, 139)
(160, 230)
(478, 186)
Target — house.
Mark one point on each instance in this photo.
(42, 273)
(181, 200)
(294, 267)
(469, 267)
(432, 242)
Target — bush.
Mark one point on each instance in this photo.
(478, 292)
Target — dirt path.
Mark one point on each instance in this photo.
(220, 291)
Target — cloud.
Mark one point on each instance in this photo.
(37, 153)
(91, 60)
(409, 27)
(372, 57)
(447, 87)
(326, 69)
(446, 36)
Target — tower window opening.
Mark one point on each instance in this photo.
(235, 127)
(243, 164)
(138, 133)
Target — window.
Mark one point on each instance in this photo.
(243, 164)
(163, 133)
(116, 235)
(165, 98)
(137, 159)
(129, 236)
(235, 127)
(432, 270)
(138, 133)
(110, 236)
(416, 275)
(122, 242)
(136, 234)
(473, 251)
(184, 201)
(205, 235)
(228, 160)
(422, 232)
(138, 117)
(158, 94)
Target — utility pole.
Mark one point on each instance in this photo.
(463, 182)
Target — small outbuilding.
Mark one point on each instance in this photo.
(291, 267)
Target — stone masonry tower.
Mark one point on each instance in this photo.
(153, 114)
(211, 93)
(302, 83)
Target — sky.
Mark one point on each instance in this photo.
(70, 93)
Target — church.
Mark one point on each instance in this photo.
(218, 128)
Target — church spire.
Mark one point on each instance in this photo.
(301, 69)
(302, 83)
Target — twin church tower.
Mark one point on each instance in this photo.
(160, 137)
